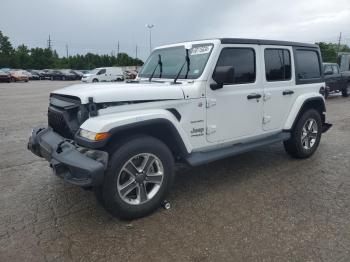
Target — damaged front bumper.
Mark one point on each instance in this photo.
(76, 165)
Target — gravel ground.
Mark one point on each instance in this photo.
(259, 206)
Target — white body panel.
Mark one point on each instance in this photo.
(113, 92)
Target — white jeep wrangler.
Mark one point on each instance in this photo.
(192, 103)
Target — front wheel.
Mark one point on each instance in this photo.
(306, 135)
(346, 91)
(138, 177)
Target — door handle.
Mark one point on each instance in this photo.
(253, 96)
(288, 92)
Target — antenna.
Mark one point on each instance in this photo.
(49, 43)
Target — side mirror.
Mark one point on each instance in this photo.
(223, 75)
(327, 73)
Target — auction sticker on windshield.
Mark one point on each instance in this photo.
(205, 49)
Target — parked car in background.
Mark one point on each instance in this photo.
(67, 74)
(130, 74)
(19, 75)
(6, 69)
(78, 74)
(38, 74)
(336, 81)
(104, 74)
(5, 77)
(46, 74)
(31, 76)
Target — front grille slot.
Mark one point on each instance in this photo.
(57, 121)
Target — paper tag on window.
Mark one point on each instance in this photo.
(201, 50)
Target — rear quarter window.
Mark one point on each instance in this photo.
(308, 65)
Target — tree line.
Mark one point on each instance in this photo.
(40, 58)
(330, 51)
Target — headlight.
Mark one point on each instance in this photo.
(93, 136)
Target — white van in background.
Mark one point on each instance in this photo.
(104, 74)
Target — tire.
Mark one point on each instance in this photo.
(133, 204)
(294, 146)
(95, 80)
(346, 91)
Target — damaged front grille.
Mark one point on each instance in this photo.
(58, 123)
(63, 115)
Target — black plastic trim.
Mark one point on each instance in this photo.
(199, 158)
(175, 113)
(264, 42)
(76, 165)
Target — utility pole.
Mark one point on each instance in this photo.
(67, 50)
(338, 47)
(49, 45)
(136, 52)
(118, 49)
(150, 26)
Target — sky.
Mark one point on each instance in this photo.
(97, 26)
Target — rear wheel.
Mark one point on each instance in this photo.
(306, 135)
(139, 176)
(346, 91)
(95, 80)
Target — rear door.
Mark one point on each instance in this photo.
(279, 85)
(340, 82)
(330, 77)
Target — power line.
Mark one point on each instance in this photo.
(338, 45)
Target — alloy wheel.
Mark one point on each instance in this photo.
(140, 179)
(309, 134)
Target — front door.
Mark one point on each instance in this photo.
(235, 110)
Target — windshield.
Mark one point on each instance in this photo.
(173, 58)
(94, 71)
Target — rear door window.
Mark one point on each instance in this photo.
(277, 65)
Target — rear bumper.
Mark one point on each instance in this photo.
(76, 165)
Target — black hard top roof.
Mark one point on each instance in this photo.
(264, 42)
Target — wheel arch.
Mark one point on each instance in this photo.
(159, 128)
(299, 107)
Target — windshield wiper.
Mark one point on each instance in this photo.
(160, 64)
(187, 61)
